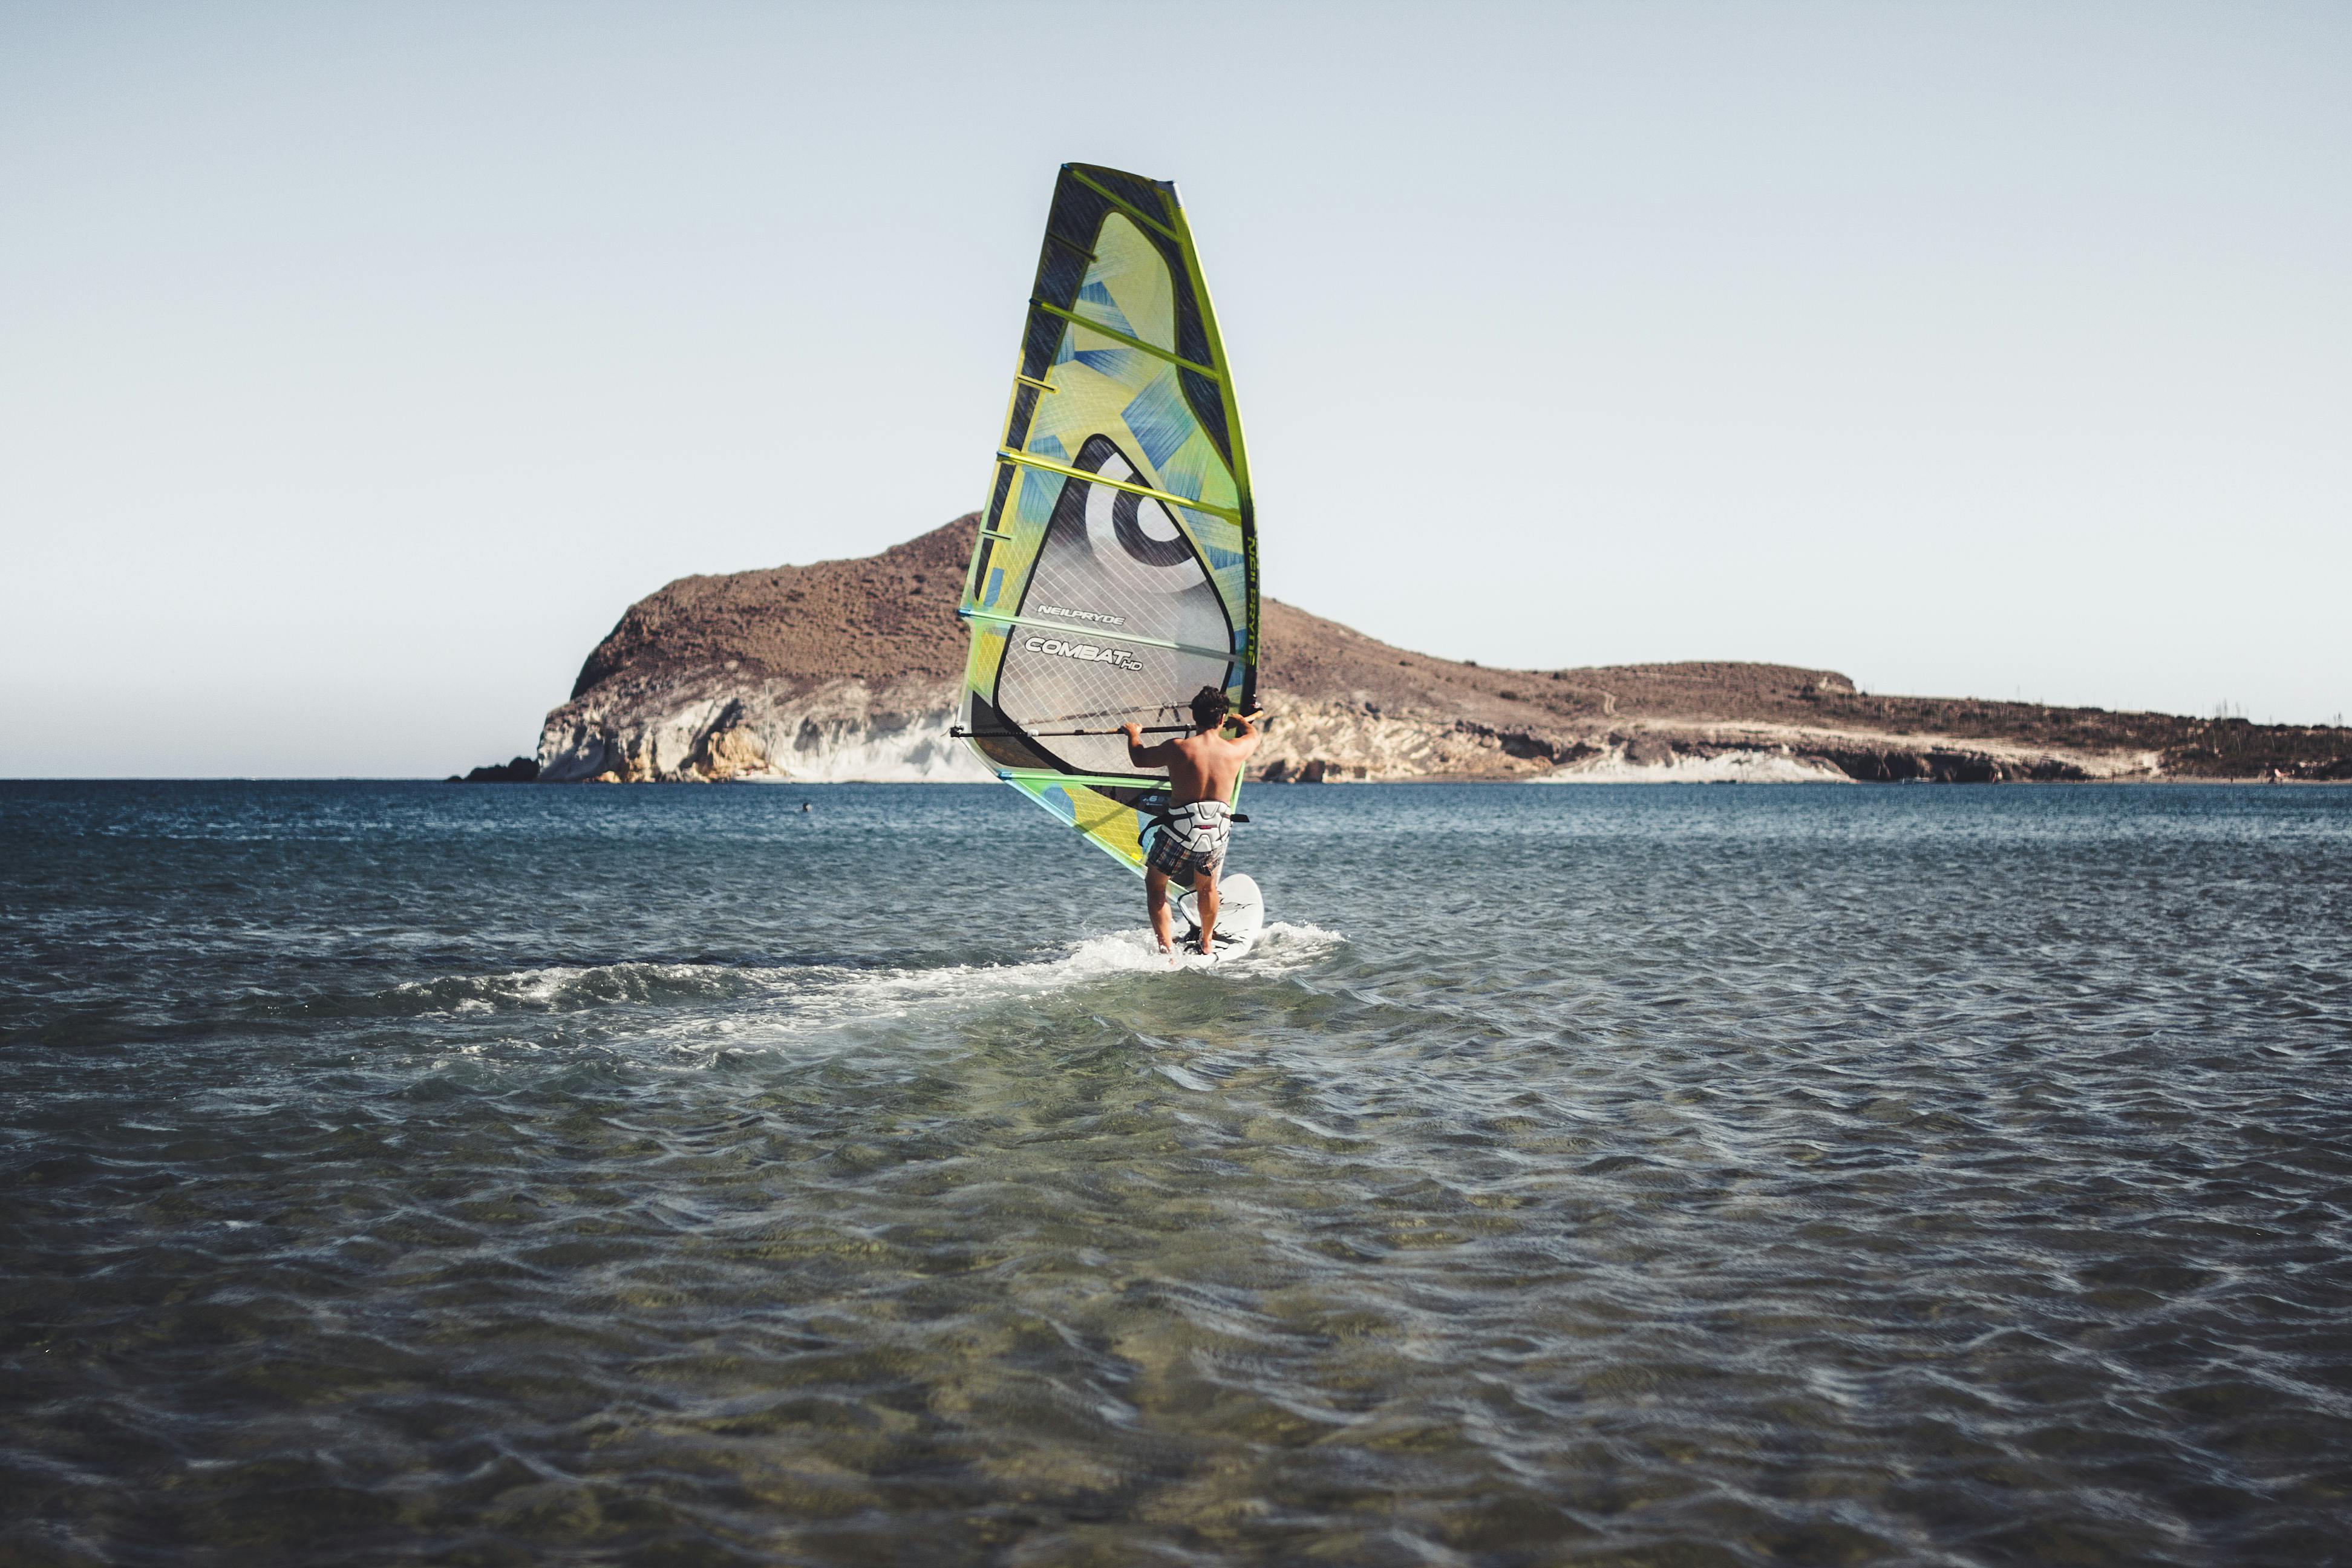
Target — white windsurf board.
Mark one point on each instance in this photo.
(1241, 915)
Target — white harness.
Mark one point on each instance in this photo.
(1202, 826)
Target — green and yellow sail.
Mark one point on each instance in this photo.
(1116, 572)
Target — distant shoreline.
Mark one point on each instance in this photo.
(787, 783)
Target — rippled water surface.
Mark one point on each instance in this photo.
(1676, 1175)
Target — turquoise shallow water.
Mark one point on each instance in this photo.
(398, 1174)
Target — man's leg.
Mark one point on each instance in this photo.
(1155, 900)
(1205, 887)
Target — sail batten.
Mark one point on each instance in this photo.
(1105, 329)
(1189, 503)
(1116, 566)
(1036, 625)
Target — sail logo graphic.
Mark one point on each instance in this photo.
(1085, 651)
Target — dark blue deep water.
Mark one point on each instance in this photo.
(1677, 1175)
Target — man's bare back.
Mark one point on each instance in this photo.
(1205, 766)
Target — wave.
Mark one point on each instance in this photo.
(732, 999)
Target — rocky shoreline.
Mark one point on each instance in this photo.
(844, 732)
(852, 670)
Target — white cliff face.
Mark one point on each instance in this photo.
(1334, 743)
(714, 729)
(1661, 751)
(1742, 765)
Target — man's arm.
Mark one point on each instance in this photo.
(1144, 756)
(1247, 742)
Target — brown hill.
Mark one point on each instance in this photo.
(693, 666)
(877, 617)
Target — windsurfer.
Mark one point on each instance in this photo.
(1203, 768)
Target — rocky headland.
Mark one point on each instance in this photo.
(850, 669)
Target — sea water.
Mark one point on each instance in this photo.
(1682, 1174)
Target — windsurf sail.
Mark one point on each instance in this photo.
(1116, 571)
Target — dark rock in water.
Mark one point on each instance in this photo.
(522, 770)
(1649, 752)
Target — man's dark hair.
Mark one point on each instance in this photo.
(1210, 708)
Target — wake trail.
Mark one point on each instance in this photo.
(699, 1006)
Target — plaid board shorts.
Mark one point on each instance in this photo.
(1191, 842)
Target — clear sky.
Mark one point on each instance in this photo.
(359, 364)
